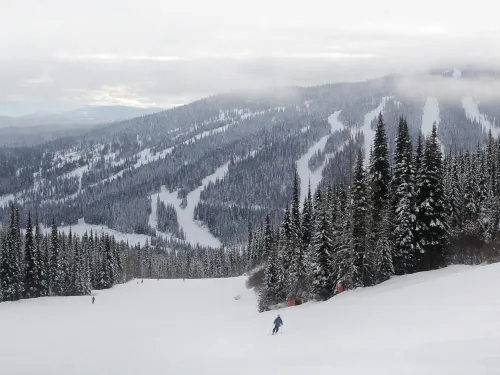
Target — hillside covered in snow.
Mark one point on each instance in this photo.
(439, 322)
(200, 173)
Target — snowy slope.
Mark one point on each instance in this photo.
(435, 323)
(303, 170)
(368, 132)
(194, 231)
(431, 115)
(471, 107)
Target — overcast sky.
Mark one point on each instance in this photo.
(57, 54)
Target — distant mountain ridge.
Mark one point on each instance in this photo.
(42, 127)
(86, 115)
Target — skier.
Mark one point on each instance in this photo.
(278, 322)
(142, 281)
(93, 300)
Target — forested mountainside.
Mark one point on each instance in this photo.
(226, 160)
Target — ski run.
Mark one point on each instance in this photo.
(303, 170)
(471, 108)
(368, 131)
(194, 231)
(434, 323)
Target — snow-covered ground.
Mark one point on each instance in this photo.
(303, 170)
(368, 132)
(82, 227)
(146, 156)
(431, 115)
(5, 200)
(434, 323)
(195, 232)
(471, 107)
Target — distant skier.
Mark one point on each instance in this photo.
(278, 322)
(142, 281)
(93, 300)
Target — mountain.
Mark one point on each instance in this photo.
(202, 172)
(40, 127)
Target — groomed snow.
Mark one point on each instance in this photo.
(430, 116)
(195, 231)
(82, 227)
(471, 107)
(434, 323)
(303, 170)
(368, 132)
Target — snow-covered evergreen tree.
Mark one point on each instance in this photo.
(359, 219)
(18, 256)
(404, 200)
(56, 266)
(379, 179)
(270, 293)
(322, 275)
(431, 208)
(8, 275)
(307, 220)
(31, 257)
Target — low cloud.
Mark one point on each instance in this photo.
(483, 86)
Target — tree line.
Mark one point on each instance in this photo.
(34, 264)
(421, 212)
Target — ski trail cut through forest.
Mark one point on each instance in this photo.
(368, 132)
(431, 115)
(196, 232)
(303, 170)
(471, 108)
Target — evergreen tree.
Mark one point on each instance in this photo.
(286, 248)
(359, 219)
(323, 282)
(18, 256)
(379, 168)
(383, 265)
(8, 272)
(32, 266)
(56, 266)
(268, 237)
(270, 293)
(405, 248)
(307, 223)
(432, 208)
(379, 178)
(295, 212)
(42, 280)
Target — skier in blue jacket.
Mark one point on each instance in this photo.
(278, 322)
